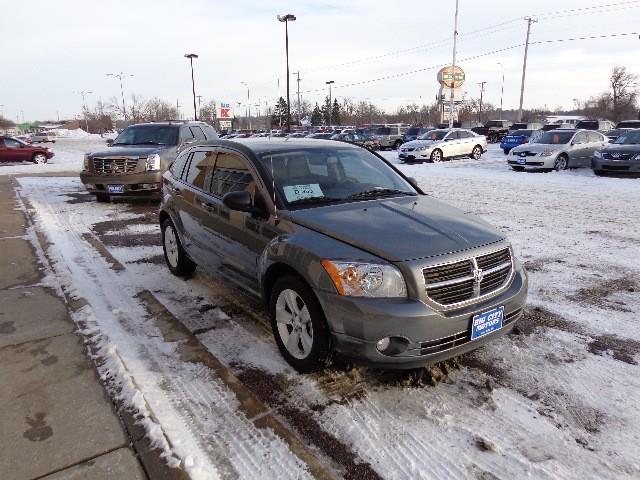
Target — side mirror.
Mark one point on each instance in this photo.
(109, 141)
(240, 201)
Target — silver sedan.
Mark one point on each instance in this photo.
(438, 145)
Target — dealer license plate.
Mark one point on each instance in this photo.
(486, 322)
(115, 188)
(522, 160)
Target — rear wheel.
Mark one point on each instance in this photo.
(476, 153)
(177, 259)
(397, 144)
(436, 156)
(600, 173)
(561, 163)
(39, 158)
(518, 169)
(298, 324)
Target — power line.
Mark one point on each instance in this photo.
(585, 9)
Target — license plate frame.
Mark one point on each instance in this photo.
(486, 322)
(115, 188)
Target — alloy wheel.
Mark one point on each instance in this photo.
(40, 158)
(171, 246)
(560, 163)
(294, 324)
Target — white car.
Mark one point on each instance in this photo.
(438, 145)
(43, 137)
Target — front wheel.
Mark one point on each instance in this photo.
(506, 151)
(561, 163)
(436, 156)
(476, 153)
(177, 259)
(299, 325)
(600, 173)
(397, 144)
(40, 158)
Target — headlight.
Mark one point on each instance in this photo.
(354, 279)
(85, 165)
(597, 154)
(153, 162)
(637, 157)
(423, 148)
(547, 153)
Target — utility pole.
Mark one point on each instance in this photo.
(178, 108)
(482, 84)
(524, 64)
(299, 105)
(120, 76)
(330, 82)
(248, 103)
(502, 89)
(453, 66)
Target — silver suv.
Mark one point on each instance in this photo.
(390, 136)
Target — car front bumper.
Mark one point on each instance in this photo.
(532, 163)
(144, 183)
(431, 336)
(616, 167)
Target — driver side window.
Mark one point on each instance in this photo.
(11, 143)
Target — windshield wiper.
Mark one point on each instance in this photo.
(379, 192)
(310, 200)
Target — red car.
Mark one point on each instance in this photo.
(14, 150)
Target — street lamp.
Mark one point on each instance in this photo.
(502, 89)
(289, 17)
(120, 76)
(191, 56)
(330, 82)
(248, 103)
(83, 94)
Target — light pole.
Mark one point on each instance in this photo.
(248, 102)
(83, 94)
(502, 89)
(289, 17)
(524, 65)
(120, 76)
(482, 84)
(330, 82)
(191, 56)
(453, 66)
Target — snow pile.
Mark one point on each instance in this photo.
(75, 133)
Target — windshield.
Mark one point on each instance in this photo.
(630, 137)
(629, 124)
(412, 131)
(332, 174)
(587, 125)
(148, 135)
(433, 135)
(555, 138)
(524, 133)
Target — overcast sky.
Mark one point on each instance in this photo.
(53, 48)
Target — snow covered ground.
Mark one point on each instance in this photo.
(556, 399)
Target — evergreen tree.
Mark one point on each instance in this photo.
(279, 117)
(316, 116)
(335, 112)
(326, 111)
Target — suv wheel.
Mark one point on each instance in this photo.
(476, 153)
(39, 158)
(436, 156)
(175, 256)
(102, 197)
(298, 324)
(397, 144)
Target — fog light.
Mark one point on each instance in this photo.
(383, 344)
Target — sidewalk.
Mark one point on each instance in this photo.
(55, 418)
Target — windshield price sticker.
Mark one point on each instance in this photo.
(298, 192)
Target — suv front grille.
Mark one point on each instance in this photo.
(468, 279)
(617, 156)
(114, 165)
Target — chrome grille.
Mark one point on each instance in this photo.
(469, 279)
(617, 156)
(114, 165)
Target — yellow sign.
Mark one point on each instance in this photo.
(451, 78)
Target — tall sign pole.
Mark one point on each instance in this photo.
(453, 66)
(482, 84)
(524, 65)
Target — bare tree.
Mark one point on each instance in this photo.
(624, 91)
(156, 110)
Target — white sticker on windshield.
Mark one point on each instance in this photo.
(297, 192)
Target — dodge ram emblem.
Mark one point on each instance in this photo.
(478, 275)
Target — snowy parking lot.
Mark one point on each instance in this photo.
(557, 398)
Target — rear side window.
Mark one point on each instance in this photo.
(231, 175)
(198, 133)
(201, 169)
(185, 134)
(594, 137)
(177, 166)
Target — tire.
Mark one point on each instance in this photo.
(102, 198)
(506, 151)
(561, 163)
(600, 173)
(493, 138)
(436, 156)
(177, 259)
(299, 325)
(518, 169)
(397, 144)
(39, 158)
(476, 153)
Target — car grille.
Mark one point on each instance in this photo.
(114, 165)
(407, 149)
(526, 154)
(441, 344)
(617, 156)
(468, 279)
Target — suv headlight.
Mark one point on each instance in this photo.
(85, 165)
(153, 162)
(597, 154)
(354, 279)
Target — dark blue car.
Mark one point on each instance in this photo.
(518, 137)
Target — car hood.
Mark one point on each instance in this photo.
(400, 229)
(538, 147)
(130, 151)
(420, 143)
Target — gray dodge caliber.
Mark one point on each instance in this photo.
(348, 254)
